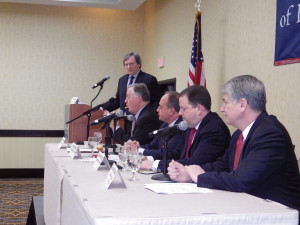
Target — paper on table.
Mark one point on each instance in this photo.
(176, 188)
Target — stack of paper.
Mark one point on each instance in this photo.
(176, 188)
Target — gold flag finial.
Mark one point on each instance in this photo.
(197, 5)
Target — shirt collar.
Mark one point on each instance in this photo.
(197, 126)
(173, 123)
(138, 112)
(135, 75)
(246, 131)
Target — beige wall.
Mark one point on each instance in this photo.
(50, 54)
(237, 38)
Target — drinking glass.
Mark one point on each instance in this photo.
(134, 162)
(123, 156)
(92, 142)
(98, 135)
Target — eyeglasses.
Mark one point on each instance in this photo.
(129, 64)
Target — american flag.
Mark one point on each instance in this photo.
(196, 70)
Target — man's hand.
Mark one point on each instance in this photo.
(105, 112)
(134, 145)
(146, 165)
(178, 172)
(194, 171)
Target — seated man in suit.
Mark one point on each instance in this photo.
(208, 136)
(145, 116)
(260, 159)
(168, 112)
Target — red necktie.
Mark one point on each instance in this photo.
(191, 137)
(238, 150)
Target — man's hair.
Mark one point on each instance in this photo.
(248, 87)
(197, 95)
(135, 55)
(140, 89)
(173, 100)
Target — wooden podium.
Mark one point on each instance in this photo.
(76, 131)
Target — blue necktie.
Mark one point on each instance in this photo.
(131, 80)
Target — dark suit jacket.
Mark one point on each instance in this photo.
(142, 77)
(267, 168)
(147, 122)
(155, 148)
(210, 142)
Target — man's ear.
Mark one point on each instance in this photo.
(243, 104)
(200, 108)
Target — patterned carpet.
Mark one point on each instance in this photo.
(15, 199)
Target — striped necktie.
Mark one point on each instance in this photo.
(133, 125)
(131, 80)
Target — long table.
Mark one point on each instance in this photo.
(74, 193)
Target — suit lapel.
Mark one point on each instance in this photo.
(139, 78)
(140, 116)
(197, 135)
(252, 131)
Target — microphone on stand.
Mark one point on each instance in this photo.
(125, 117)
(108, 118)
(170, 130)
(101, 82)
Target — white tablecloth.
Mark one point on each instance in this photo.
(74, 193)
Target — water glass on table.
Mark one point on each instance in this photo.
(92, 143)
(123, 156)
(134, 162)
(98, 135)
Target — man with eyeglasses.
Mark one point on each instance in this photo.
(132, 63)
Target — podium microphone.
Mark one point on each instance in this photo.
(108, 118)
(170, 130)
(101, 82)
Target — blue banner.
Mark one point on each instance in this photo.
(287, 42)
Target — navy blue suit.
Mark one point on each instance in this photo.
(142, 77)
(155, 148)
(146, 123)
(267, 168)
(210, 142)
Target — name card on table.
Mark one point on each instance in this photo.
(62, 143)
(114, 178)
(101, 158)
(75, 151)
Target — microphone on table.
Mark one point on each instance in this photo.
(108, 118)
(101, 82)
(170, 130)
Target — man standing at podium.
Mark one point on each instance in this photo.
(132, 63)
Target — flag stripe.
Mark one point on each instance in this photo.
(196, 69)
